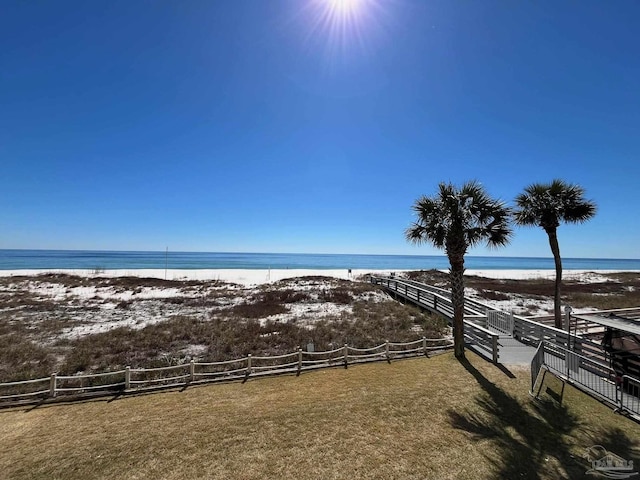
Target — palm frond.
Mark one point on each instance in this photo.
(458, 218)
(549, 204)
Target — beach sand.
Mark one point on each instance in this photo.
(249, 277)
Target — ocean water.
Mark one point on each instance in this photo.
(89, 260)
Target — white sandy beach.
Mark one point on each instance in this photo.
(256, 276)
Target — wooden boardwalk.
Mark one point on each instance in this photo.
(513, 352)
(438, 300)
(574, 359)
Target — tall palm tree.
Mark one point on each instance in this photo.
(456, 219)
(547, 205)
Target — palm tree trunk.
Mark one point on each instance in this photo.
(555, 249)
(457, 298)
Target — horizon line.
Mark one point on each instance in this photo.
(301, 253)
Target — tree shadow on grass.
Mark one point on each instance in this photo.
(524, 443)
(616, 441)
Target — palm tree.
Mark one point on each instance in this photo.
(547, 205)
(456, 219)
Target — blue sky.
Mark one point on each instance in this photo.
(286, 126)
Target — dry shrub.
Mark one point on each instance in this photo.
(280, 296)
(337, 295)
(256, 310)
(603, 302)
(226, 338)
(432, 277)
(21, 358)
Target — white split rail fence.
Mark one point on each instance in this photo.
(131, 380)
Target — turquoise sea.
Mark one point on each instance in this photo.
(107, 260)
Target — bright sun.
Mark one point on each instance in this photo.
(343, 24)
(344, 7)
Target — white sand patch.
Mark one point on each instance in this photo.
(309, 313)
(375, 296)
(61, 292)
(518, 304)
(521, 305)
(110, 317)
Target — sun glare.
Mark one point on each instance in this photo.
(344, 24)
(344, 7)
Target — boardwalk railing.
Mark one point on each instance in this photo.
(503, 322)
(472, 307)
(573, 358)
(527, 331)
(437, 300)
(584, 325)
(523, 329)
(591, 376)
(431, 298)
(132, 380)
(482, 340)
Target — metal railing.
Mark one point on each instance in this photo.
(630, 394)
(577, 360)
(537, 363)
(588, 375)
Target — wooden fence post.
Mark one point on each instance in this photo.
(346, 355)
(435, 303)
(52, 385)
(248, 371)
(424, 347)
(386, 351)
(127, 377)
(299, 360)
(192, 371)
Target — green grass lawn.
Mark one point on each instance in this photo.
(425, 418)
